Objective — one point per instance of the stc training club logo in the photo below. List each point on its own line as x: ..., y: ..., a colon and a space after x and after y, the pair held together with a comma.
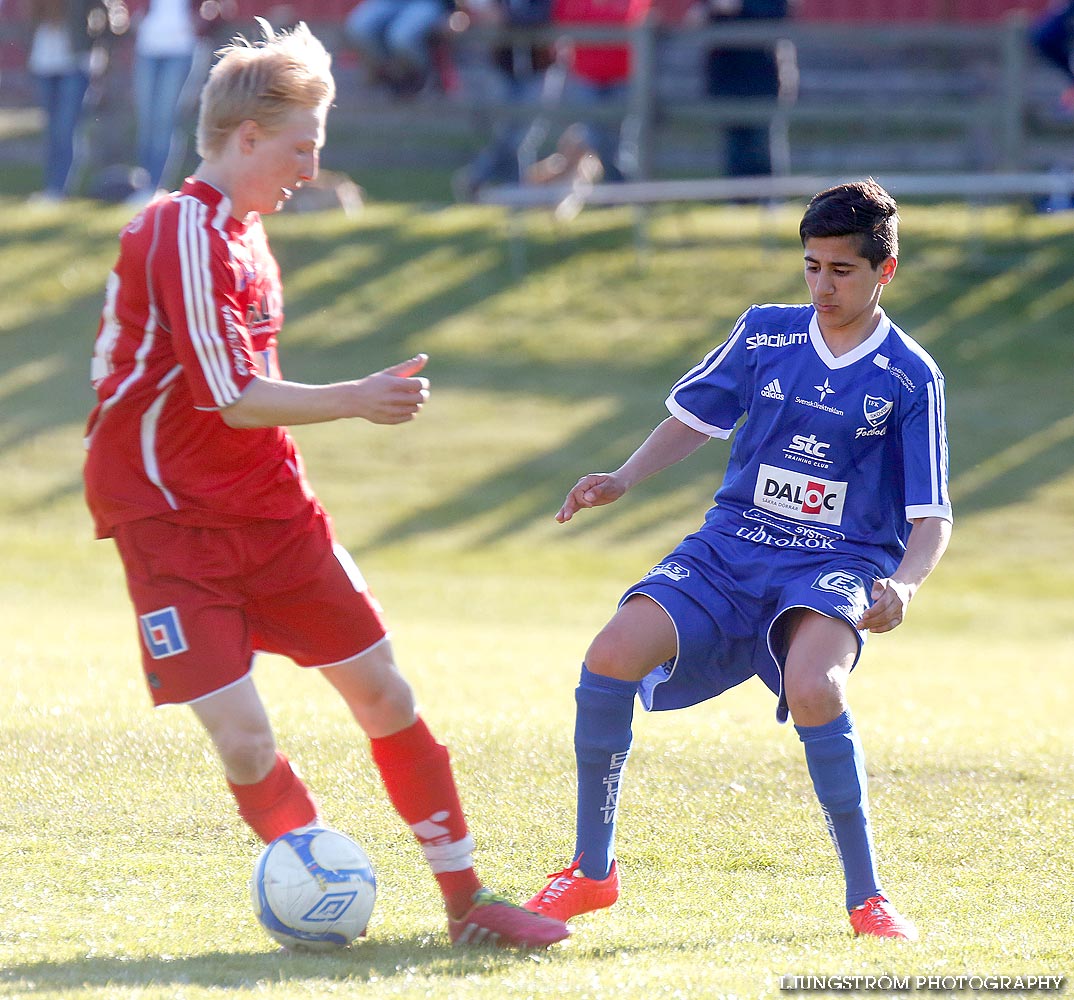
x: 804, y: 498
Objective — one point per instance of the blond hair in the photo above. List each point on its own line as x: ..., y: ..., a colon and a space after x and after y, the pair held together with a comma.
x: 263, y: 82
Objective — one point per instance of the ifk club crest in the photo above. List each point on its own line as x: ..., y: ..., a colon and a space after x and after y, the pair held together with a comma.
x: 877, y: 410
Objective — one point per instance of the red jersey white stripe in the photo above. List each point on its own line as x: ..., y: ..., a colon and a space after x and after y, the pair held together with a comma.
x: 191, y: 315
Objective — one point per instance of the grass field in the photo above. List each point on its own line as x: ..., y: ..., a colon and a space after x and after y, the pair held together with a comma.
x: 124, y: 866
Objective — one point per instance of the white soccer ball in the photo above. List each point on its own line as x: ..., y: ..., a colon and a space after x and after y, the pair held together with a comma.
x: 313, y: 889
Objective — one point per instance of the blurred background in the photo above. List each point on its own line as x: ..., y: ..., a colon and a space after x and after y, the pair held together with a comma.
x: 477, y: 94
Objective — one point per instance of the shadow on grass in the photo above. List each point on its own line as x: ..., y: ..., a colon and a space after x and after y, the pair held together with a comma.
x: 366, y: 962
x: 999, y: 333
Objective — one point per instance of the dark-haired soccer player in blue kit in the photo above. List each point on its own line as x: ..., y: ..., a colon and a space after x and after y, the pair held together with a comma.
x: 833, y: 511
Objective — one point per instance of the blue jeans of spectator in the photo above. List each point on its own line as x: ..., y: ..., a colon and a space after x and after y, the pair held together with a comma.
x: 748, y: 151
x: 1052, y: 36
x: 395, y: 31
x: 158, y: 84
x: 498, y: 162
x: 601, y: 136
x: 61, y: 98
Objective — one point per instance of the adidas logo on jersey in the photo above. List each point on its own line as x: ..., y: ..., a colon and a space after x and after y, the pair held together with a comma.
x: 773, y: 390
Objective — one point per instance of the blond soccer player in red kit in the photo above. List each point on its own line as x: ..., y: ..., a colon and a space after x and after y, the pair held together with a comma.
x: 191, y: 471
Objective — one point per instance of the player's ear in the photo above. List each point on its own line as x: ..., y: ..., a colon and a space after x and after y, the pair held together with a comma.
x: 249, y: 132
x: 887, y: 270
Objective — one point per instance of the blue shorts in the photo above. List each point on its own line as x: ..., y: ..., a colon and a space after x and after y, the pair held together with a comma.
x: 726, y: 598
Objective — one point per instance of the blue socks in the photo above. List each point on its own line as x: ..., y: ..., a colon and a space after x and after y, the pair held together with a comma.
x: 602, y: 738
x: 837, y: 766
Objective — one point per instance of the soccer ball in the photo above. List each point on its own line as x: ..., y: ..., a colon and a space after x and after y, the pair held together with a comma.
x: 313, y: 889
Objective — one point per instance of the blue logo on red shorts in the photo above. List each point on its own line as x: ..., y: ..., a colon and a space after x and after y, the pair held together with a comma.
x: 162, y: 633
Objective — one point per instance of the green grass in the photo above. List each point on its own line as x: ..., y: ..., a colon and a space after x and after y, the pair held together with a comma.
x: 124, y: 866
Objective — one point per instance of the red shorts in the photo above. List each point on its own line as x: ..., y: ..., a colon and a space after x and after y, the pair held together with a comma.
x: 207, y: 599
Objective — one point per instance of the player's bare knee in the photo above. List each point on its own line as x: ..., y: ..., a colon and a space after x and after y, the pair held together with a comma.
x: 384, y: 705
x: 609, y: 656
x: 814, y: 701
x: 248, y: 755
x: 605, y: 655
x: 600, y: 657
x: 395, y: 701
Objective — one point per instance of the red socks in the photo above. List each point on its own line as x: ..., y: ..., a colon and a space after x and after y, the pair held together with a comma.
x: 277, y: 803
x: 416, y: 771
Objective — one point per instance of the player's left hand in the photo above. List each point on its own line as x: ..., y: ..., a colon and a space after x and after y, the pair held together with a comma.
x: 393, y: 395
x: 890, y: 601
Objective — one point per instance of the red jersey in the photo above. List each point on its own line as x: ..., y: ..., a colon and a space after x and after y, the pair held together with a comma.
x: 191, y: 315
x: 603, y: 65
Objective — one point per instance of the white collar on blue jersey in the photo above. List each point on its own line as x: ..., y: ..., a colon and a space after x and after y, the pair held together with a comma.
x: 866, y: 347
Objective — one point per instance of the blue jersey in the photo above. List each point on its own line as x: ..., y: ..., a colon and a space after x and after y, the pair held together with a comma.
x: 836, y: 454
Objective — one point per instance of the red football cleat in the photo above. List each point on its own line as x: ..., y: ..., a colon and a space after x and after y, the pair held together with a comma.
x: 570, y: 893
x: 876, y: 917
x: 494, y: 920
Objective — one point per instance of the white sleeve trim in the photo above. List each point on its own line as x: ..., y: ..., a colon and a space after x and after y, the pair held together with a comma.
x: 686, y: 417
x: 942, y: 510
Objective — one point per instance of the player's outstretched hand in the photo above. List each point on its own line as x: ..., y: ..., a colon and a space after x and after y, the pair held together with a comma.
x: 594, y: 490
x: 396, y: 394
x: 890, y: 600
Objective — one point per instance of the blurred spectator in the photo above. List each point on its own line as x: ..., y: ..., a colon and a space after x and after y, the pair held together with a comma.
x: 168, y: 41
x: 597, y: 72
x: 738, y: 72
x: 396, y: 38
x: 520, y: 77
x: 1053, y: 37
x: 65, y: 55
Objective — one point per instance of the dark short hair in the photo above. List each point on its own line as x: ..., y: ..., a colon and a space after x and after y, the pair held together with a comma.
x: 861, y: 208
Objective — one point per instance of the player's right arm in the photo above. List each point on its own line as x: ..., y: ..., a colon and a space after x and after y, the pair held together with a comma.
x: 392, y: 396
x: 206, y: 290
x: 670, y: 442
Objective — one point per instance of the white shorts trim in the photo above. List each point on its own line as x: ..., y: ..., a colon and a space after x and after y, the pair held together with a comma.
x: 209, y: 694
x: 369, y: 649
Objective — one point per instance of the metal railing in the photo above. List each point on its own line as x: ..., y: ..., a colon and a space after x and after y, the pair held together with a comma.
x: 846, y: 93
x: 987, y: 110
